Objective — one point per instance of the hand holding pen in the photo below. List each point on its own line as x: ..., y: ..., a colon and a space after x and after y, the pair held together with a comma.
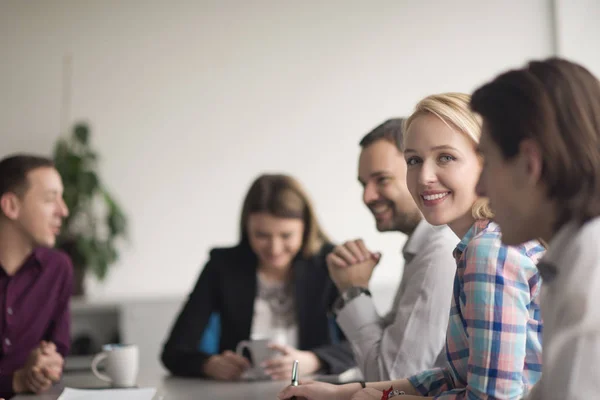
x: 294, y: 376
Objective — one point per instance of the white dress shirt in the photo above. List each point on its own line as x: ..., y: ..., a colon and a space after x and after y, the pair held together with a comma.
x: 570, y: 305
x: 411, y: 337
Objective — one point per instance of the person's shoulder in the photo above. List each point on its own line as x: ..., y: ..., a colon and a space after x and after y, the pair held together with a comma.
x: 586, y: 237
x: 532, y: 250
x: 574, y: 241
x: 318, y: 260
x: 53, y: 258
x: 433, y: 263
x: 433, y: 244
x: 232, y: 256
x: 440, y: 238
x: 486, y: 253
x: 486, y: 242
x: 325, y: 249
x: 56, y: 265
x: 220, y: 252
x: 490, y: 239
x: 321, y: 255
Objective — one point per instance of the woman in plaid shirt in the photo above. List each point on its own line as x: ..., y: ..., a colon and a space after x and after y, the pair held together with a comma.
x: 493, y: 341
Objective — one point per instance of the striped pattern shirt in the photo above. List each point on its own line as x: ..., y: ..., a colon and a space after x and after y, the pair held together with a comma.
x: 494, y: 336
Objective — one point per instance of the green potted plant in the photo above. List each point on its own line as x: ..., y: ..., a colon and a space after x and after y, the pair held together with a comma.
x: 96, y: 222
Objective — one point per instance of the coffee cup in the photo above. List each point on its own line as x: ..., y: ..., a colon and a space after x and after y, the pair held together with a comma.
x: 259, y: 352
x: 121, y: 364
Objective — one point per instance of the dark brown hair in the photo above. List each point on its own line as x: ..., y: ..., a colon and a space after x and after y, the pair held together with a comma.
x: 282, y: 196
x: 391, y: 130
x: 556, y: 103
x: 14, y: 170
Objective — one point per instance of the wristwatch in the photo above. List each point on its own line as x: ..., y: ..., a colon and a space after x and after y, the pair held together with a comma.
x: 348, y: 295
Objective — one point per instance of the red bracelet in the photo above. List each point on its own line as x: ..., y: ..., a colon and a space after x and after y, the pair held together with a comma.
x: 388, y: 394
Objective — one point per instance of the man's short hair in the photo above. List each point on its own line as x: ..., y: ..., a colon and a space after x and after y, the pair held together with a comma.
x: 391, y: 130
x: 14, y: 170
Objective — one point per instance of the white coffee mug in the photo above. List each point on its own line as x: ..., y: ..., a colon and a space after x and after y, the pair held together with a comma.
x: 122, y: 364
x: 259, y: 352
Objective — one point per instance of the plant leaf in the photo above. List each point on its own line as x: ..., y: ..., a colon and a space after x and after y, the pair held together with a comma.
x: 81, y: 133
x: 88, y: 183
x: 76, y: 162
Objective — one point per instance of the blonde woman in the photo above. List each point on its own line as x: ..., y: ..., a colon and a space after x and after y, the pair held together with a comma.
x: 493, y: 341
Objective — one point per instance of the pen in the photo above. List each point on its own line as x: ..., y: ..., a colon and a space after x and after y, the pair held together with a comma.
x: 294, y: 376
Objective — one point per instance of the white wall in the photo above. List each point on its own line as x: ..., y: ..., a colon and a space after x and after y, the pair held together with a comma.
x: 578, y: 26
x: 190, y: 100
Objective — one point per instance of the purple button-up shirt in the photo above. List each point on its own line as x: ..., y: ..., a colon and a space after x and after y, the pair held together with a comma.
x: 34, y: 306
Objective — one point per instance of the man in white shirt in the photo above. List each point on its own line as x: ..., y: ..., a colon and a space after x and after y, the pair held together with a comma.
x: 411, y: 337
x: 542, y: 175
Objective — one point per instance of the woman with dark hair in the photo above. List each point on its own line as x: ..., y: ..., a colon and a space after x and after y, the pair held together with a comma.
x: 272, y: 285
x: 541, y: 143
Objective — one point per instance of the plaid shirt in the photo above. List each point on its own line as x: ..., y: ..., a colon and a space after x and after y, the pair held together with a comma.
x: 494, y: 336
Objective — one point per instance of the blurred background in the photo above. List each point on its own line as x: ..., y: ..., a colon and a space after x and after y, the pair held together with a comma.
x: 188, y: 101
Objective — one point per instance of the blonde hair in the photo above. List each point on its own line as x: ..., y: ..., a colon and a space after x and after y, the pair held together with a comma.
x: 454, y: 110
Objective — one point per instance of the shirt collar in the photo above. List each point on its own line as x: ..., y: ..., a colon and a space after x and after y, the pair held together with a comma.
x: 36, y: 258
x: 479, y: 226
x: 417, y: 240
x: 548, y: 266
x: 560, y: 239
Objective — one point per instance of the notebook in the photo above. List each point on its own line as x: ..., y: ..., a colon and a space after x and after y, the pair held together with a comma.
x: 107, y: 394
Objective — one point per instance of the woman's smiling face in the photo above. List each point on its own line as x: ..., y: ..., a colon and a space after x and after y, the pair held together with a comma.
x: 442, y: 171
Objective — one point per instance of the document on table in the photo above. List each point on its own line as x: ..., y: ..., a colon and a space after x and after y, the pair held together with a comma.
x: 107, y: 394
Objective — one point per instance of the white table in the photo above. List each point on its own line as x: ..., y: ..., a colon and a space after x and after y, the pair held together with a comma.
x: 173, y: 388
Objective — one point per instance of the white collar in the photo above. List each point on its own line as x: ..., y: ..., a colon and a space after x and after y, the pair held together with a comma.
x: 417, y: 240
x: 559, y: 241
x: 570, y: 233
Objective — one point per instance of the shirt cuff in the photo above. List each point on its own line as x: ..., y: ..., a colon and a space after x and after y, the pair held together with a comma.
x: 355, y: 314
x: 6, y: 385
x: 432, y: 382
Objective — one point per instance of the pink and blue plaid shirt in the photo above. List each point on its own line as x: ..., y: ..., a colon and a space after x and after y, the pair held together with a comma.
x: 494, y: 336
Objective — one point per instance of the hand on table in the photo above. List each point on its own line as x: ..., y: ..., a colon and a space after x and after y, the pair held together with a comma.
x: 311, y: 390
x: 43, y: 368
x: 368, y: 394
x: 280, y: 367
x: 351, y: 264
x: 52, y: 360
x: 227, y: 366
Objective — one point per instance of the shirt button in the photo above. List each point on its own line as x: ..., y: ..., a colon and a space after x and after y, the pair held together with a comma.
x: 7, y: 341
x: 9, y: 311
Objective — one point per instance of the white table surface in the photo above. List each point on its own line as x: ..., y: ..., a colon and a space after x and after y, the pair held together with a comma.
x: 172, y: 388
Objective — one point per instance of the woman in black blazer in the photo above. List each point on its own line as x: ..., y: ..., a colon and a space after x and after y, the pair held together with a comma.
x: 273, y: 284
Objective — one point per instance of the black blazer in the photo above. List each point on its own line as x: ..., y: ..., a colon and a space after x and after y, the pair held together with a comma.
x: 228, y: 285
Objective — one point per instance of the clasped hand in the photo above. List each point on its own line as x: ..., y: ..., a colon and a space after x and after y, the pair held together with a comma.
x: 44, y: 367
x: 230, y: 366
x: 352, y: 264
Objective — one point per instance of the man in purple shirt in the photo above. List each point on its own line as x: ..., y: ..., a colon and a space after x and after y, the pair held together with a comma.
x: 35, y: 280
